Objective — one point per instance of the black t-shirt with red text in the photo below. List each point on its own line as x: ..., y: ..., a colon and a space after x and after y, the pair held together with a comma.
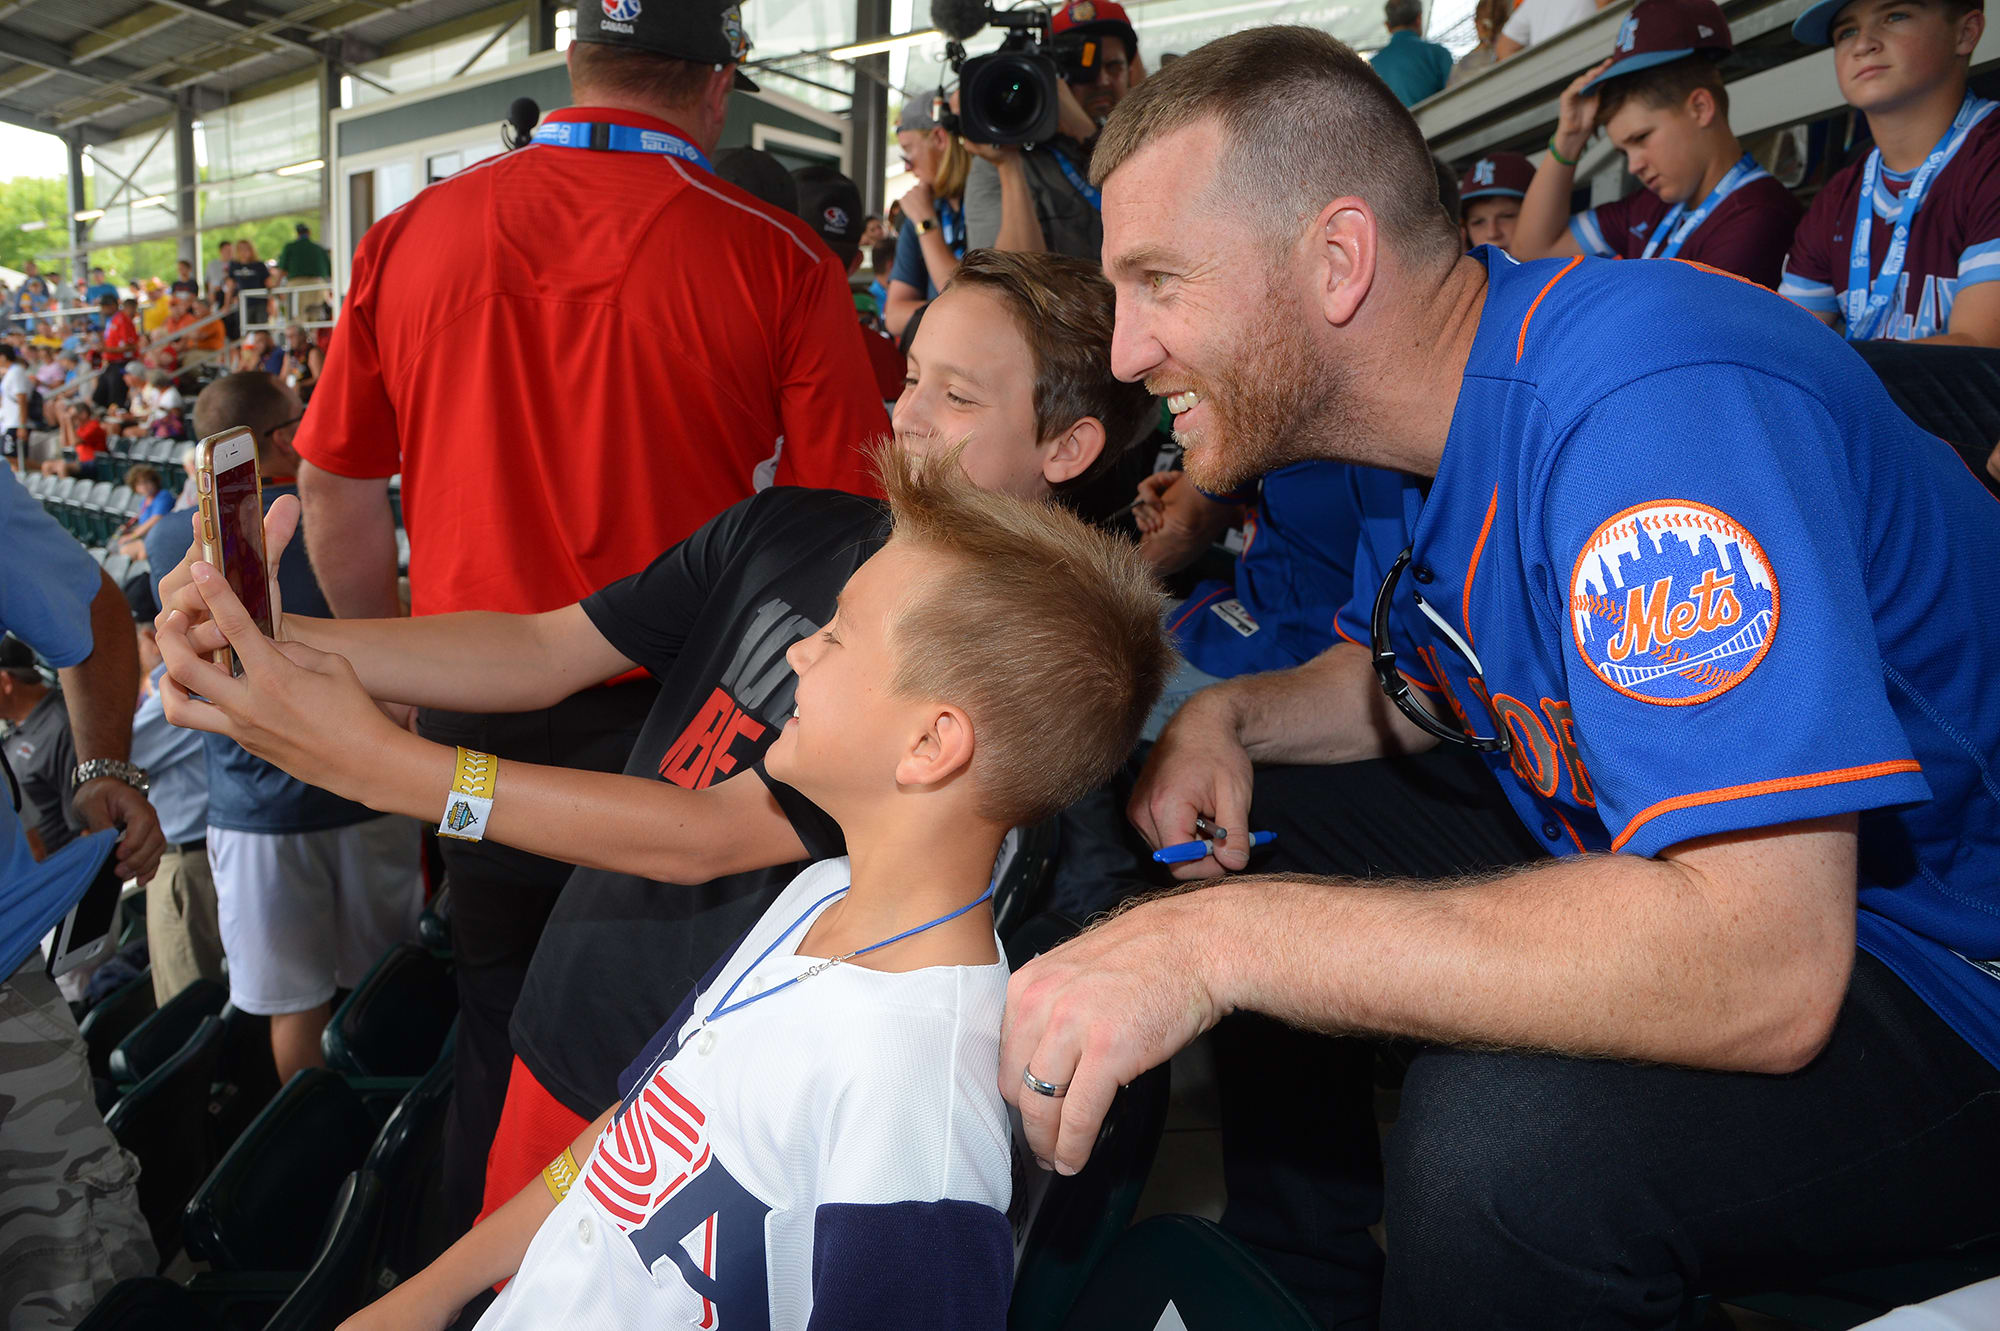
x: 711, y: 619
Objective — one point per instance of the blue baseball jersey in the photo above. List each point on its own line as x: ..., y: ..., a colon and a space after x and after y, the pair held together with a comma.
x: 1711, y: 579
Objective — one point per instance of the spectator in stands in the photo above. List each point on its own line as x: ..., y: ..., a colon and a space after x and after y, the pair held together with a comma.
x: 130, y: 420
x: 38, y: 748
x: 83, y: 439
x: 881, y: 262
x: 251, y: 277
x: 217, y: 270
x: 70, y: 1224
x: 121, y: 344
x: 1488, y: 17
x: 1931, y: 250
x: 183, y: 934
x: 164, y: 406
x: 1660, y: 99
x: 929, y: 247
x: 1043, y: 200
x: 185, y: 284
x: 259, y: 352
x: 872, y: 232
x: 230, y: 308
x: 208, y: 337
x: 311, y: 889
x: 1765, y: 938
x: 724, y: 326
x: 905, y: 1152
x: 1011, y: 366
x: 1538, y: 20
x: 16, y: 386
x: 303, y: 259
x: 144, y: 481
x: 1412, y: 67
x: 94, y: 294
x: 830, y: 204
x: 1490, y: 195
x: 301, y: 361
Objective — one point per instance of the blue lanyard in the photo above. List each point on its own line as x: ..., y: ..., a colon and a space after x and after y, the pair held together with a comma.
x: 1865, y: 302
x: 1737, y: 177
x: 725, y: 1007
x: 1091, y: 194
x: 618, y: 139
x: 951, y: 224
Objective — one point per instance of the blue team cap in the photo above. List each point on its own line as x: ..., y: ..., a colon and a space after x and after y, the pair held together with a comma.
x: 1659, y: 31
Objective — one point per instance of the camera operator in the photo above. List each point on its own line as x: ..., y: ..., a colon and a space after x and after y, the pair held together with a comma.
x: 1041, y: 198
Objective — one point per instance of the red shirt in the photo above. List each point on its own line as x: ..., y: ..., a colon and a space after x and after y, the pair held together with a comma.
x: 1954, y: 243
x: 575, y: 358
x: 886, y: 358
x: 121, y: 339
x: 1747, y: 234
x: 89, y: 440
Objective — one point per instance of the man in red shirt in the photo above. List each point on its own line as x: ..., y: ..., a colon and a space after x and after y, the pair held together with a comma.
x: 121, y: 343
x: 683, y: 345
x: 830, y: 203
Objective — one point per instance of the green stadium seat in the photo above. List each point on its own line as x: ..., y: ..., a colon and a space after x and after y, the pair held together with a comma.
x: 164, y: 1121
x: 247, y: 1078
x: 434, y: 925
x: 264, y: 1206
x: 1180, y: 1271
x: 160, y: 1036
x: 340, y: 1279
x: 397, y: 1018
x: 147, y: 1303
x: 1065, y: 1226
x: 407, y: 1160
x: 116, y: 1015
x: 117, y: 567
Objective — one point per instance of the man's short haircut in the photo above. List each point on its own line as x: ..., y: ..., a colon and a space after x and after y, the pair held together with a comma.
x: 1065, y: 309
x: 1665, y: 85
x: 140, y: 471
x: 1307, y: 121
x: 107, y: 301
x: 250, y: 398
x: 1403, y: 13
x: 642, y: 75
x: 1046, y: 631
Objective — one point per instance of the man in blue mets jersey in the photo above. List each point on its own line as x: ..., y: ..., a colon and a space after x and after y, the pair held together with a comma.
x: 1723, y: 623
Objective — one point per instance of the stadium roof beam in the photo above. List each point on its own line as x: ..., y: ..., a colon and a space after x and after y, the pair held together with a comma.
x: 32, y: 50
x: 100, y: 42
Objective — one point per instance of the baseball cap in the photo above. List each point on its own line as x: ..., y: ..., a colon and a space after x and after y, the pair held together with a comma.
x: 15, y: 654
x: 757, y: 173
x: 916, y: 114
x: 830, y: 203
x: 708, y: 32
x: 1815, y: 26
x: 1095, y: 16
x: 1658, y: 31
x: 1497, y: 175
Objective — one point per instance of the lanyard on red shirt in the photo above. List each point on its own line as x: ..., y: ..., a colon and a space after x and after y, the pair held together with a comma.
x: 605, y: 137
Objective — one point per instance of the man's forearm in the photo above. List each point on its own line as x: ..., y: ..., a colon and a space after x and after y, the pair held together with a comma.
x: 1608, y: 955
x: 1020, y: 229
x: 475, y: 661
x: 102, y: 689
x: 1329, y: 710
x: 350, y: 536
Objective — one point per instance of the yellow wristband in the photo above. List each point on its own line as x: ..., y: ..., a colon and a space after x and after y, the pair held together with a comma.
x: 560, y: 1174
x: 470, y: 802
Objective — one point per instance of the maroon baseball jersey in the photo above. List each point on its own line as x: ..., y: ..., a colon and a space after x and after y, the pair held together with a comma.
x: 1954, y: 243
x: 1747, y: 234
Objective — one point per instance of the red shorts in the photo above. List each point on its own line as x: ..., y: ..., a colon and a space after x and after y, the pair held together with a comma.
x: 534, y: 1129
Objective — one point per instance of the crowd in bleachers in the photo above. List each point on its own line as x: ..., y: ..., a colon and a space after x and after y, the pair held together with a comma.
x: 1188, y: 495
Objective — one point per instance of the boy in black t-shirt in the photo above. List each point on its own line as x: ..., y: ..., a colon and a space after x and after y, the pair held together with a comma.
x: 1012, y: 364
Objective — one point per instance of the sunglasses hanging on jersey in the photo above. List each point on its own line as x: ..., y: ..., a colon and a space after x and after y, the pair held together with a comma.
x: 1383, y: 654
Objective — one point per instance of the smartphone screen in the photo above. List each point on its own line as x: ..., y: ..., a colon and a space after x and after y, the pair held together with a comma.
x: 239, y: 521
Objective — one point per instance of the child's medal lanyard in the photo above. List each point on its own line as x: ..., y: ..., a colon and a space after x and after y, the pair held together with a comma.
x: 1865, y: 303
x: 725, y: 1007
x: 617, y: 139
x: 1736, y: 178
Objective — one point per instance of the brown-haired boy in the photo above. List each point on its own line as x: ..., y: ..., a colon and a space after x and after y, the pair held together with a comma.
x: 1926, y: 264
x: 817, y: 1136
x: 1661, y: 100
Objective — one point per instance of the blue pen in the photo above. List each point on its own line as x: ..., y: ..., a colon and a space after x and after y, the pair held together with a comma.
x: 1187, y: 852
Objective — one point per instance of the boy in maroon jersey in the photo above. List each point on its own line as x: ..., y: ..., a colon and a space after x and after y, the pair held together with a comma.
x: 1491, y: 191
x: 1660, y: 99
x: 1926, y: 268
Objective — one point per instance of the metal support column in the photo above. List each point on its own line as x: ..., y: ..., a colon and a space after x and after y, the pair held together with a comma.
x: 186, y: 199
x: 871, y: 105
x: 329, y: 102
x: 79, y: 232
x: 541, y: 15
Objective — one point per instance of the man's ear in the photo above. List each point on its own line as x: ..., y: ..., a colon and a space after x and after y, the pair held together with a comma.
x: 1346, y: 245
x: 941, y: 752
x: 1971, y: 27
x: 1072, y: 453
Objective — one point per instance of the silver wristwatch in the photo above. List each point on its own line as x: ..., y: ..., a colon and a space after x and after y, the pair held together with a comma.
x: 92, y: 768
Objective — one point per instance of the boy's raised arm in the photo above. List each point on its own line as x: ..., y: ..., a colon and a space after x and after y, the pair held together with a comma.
x: 489, y: 1253
x: 304, y: 710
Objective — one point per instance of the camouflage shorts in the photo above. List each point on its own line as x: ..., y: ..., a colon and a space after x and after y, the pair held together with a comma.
x: 70, y: 1226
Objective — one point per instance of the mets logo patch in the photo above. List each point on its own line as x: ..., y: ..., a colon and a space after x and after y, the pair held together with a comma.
x: 621, y: 11
x: 1673, y: 602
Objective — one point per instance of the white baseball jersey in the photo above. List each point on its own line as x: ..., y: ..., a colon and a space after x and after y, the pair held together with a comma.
x: 834, y: 1155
